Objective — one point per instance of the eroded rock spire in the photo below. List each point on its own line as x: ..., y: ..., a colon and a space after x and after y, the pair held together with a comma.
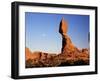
x: 63, y: 27
x: 67, y: 45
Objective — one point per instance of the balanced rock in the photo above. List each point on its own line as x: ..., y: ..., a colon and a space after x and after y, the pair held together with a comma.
x: 67, y: 45
x: 63, y: 27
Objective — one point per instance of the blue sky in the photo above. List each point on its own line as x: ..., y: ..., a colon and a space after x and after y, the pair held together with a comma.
x: 42, y: 31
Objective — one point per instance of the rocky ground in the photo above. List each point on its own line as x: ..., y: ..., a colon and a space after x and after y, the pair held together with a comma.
x: 39, y: 59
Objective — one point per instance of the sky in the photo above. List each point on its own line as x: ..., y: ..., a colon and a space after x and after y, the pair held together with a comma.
x: 42, y: 31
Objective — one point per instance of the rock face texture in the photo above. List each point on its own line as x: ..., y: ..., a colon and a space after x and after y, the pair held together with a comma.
x: 67, y: 45
x: 70, y: 55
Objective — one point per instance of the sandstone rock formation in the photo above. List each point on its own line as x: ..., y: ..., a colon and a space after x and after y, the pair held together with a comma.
x: 69, y: 52
x: 32, y: 55
x: 70, y: 55
x: 67, y: 45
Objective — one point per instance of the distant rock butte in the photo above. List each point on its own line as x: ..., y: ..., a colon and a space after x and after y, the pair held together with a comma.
x: 70, y: 55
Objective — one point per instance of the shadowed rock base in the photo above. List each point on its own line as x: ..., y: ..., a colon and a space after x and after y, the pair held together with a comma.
x: 69, y: 56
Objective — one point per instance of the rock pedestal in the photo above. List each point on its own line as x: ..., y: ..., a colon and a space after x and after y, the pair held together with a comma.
x: 67, y: 45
